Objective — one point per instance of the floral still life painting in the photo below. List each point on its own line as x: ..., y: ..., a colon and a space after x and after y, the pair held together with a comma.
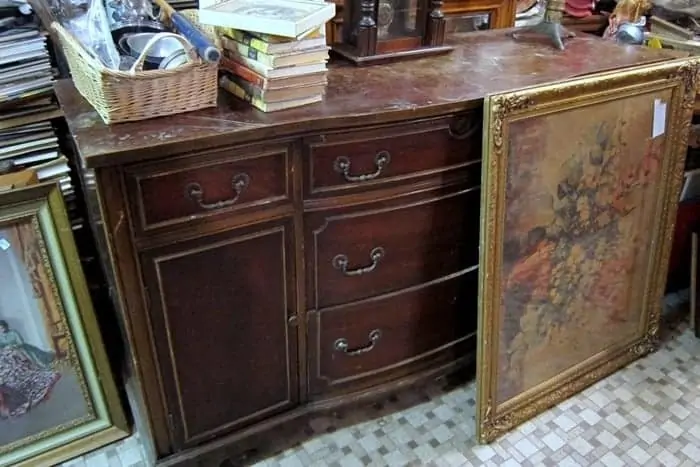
x: 582, y: 180
x: 57, y: 398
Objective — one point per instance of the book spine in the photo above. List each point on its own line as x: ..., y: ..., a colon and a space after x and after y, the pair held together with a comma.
x: 251, y: 41
x: 252, y: 65
x: 248, y: 52
x: 239, y: 92
x: 248, y: 87
x: 242, y: 71
x: 229, y: 86
x: 270, y: 39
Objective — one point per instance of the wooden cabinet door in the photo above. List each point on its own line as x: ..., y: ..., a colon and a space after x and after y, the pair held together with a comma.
x: 222, y: 319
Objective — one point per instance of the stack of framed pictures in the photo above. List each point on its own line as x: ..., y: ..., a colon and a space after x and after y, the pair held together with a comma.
x: 57, y: 395
x: 581, y: 181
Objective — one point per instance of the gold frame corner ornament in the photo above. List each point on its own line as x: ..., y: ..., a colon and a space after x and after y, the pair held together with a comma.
x: 44, y: 207
x: 679, y: 75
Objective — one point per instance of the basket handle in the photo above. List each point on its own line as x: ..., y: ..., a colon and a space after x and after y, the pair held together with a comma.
x: 138, y: 64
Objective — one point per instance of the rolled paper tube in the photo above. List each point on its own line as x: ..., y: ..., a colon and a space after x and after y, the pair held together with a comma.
x: 189, y: 31
x: 201, y: 43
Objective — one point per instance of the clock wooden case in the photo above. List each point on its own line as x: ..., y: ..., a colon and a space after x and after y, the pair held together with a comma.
x: 377, y: 31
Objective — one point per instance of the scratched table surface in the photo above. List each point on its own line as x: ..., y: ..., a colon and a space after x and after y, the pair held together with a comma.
x: 481, y: 64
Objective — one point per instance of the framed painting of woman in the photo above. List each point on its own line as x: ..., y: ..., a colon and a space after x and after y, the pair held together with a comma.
x: 57, y: 394
x: 580, y: 188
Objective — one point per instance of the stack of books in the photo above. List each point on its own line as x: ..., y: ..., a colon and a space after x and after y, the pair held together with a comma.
x: 274, y: 54
x: 273, y: 73
x: 35, y: 147
x: 28, y: 141
x: 26, y: 75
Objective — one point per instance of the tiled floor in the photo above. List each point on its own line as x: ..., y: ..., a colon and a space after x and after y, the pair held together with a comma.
x: 645, y: 415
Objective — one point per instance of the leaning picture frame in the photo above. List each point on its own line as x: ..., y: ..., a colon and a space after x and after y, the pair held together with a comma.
x: 58, y: 398
x: 580, y: 186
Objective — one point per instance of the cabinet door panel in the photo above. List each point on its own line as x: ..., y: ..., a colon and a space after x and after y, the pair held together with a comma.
x: 220, y: 309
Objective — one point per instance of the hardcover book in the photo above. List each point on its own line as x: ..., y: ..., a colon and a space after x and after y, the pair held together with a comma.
x: 286, y: 18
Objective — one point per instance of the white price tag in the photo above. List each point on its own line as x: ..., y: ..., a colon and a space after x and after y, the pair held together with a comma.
x: 4, y: 244
x: 659, y: 125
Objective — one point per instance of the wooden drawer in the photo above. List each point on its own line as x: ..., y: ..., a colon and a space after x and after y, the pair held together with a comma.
x: 360, y: 252
x: 201, y: 185
x: 343, y: 162
x: 355, y: 346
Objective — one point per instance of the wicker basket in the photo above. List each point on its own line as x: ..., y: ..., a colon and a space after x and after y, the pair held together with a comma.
x: 123, y: 96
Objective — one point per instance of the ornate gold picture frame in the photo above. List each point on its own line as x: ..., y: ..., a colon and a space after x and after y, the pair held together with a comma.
x: 580, y: 188
x: 57, y: 395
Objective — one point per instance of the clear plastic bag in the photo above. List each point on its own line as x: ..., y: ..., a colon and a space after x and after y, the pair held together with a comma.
x: 100, y: 36
x: 87, y: 21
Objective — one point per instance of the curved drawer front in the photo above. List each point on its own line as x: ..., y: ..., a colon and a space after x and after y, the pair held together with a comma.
x: 356, y: 345
x: 384, y: 247
x: 349, y: 161
x: 208, y: 184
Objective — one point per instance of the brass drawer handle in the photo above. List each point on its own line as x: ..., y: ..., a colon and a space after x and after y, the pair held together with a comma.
x: 195, y: 192
x: 341, y: 262
x: 342, y: 166
x: 342, y: 345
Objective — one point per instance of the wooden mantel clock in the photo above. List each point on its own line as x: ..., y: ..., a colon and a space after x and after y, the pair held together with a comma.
x: 378, y: 31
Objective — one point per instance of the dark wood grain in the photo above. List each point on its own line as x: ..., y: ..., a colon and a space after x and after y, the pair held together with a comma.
x: 159, y: 191
x: 423, y: 238
x: 416, y: 149
x: 482, y: 63
x: 218, y: 335
x: 417, y: 324
x: 109, y: 218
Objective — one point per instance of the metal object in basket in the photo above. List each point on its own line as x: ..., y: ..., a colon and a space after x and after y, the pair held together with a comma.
x: 165, y: 46
x: 130, y: 17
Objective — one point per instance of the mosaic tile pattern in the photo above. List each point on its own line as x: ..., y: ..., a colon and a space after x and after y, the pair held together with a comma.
x: 645, y: 415
x: 127, y: 453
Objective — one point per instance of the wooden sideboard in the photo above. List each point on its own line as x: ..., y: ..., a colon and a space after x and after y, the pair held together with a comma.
x: 268, y: 266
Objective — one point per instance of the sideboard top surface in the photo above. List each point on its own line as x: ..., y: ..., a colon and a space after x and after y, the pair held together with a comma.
x: 481, y: 64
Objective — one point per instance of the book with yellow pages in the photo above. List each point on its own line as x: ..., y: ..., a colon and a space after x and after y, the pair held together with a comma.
x: 278, y: 95
x: 276, y: 73
x: 271, y: 38
x: 275, y: 45
x: 261, y: 105
x: 277, y: 60
x: 287, y: 18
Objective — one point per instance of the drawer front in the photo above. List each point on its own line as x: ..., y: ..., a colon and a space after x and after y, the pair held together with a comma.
x: 209, y: 184
x: 355, y: 346
x: 344, y: 162
x: 378, y: 248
